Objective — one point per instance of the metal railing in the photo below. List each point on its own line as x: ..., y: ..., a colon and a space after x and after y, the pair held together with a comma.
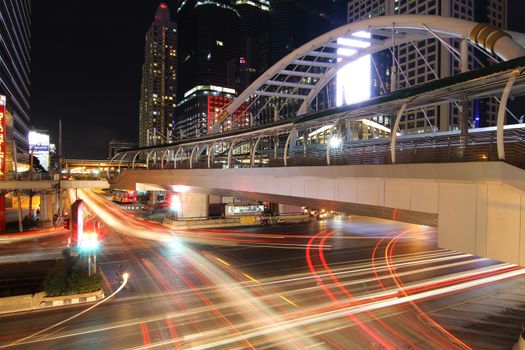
x: 447, y: 147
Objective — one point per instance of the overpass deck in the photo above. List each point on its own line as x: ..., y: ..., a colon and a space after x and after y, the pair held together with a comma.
x: 287, y: 142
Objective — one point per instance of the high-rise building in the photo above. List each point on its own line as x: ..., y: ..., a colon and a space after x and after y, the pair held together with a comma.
x: 438, y: 62
x: 159, y: 81
x: 208, y: 62
x: 116, y: 146
x: 254, y: 40
x: 15, y: 33
x: 295, y: 22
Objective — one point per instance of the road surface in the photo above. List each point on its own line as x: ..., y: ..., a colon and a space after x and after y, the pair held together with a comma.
x: 343, y: 283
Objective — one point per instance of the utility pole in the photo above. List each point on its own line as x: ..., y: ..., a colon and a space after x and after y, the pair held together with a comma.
x: 59, y: 146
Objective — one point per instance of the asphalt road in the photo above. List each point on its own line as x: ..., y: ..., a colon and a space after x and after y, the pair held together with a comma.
x: 344, y: 283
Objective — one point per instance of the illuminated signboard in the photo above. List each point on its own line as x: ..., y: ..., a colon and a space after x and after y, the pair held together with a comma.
x: 77, y: 220
x: 2, y: 134
x: 354, y: 81
x: 2, y: 158
x: 39, y: 145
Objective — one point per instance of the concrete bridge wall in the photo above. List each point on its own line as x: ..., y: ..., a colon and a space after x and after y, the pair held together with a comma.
x: 479, y: 208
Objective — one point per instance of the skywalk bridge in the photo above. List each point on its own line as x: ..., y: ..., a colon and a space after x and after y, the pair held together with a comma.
x: 470, y: 183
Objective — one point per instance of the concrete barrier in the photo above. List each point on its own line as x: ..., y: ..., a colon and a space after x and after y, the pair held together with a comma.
x: 232, y: 221
x: 71, y: 299
x: 29, y: 302
x: 16, y: 304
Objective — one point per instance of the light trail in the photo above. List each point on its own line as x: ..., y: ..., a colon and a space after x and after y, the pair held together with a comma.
x: 397, y: 280
x: 294, y: 314
x: 253, y: 307
x: 125, y: 281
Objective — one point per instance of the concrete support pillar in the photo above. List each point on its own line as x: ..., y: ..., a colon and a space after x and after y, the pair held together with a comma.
x: 194, y: 205
x: 152, y: 197
x: 501, y: 117
x: 46, y: 209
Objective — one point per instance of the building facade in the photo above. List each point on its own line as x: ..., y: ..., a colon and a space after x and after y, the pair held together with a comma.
x: 115, y: 146
x: 439, y: 62
x: 208, y: 61
x: 295, y: 22
x: 159, y: 81
x: 15, y: 32
x: 254, y: 43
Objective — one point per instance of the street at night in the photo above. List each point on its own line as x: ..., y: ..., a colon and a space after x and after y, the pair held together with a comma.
x: 262, y: 174
x: 347, y: 282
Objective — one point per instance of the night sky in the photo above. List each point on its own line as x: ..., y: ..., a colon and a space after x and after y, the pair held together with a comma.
x: 86, y: 69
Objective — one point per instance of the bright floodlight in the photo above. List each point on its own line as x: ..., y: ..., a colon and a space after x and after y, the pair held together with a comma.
x: 125, y: 276
x: 354, y: 80
x: 335, y: 142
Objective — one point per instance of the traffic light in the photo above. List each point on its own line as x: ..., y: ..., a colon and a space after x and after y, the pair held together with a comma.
x: 89, y: 241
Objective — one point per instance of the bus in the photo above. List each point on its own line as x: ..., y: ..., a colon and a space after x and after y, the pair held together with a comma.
x: 124, y: 196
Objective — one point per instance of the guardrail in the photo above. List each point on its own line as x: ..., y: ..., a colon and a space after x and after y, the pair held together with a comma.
x: 478, y: 145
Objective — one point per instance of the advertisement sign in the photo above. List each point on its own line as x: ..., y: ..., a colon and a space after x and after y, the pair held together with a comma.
x: 39, y: 145
x: 2, y: 158
x: 77, y: 221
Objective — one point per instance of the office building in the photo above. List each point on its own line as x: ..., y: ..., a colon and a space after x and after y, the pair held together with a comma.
x: 208, y: 62
x: 159, y: 80
x: 15, y: 32
x: 116, y: 146
x: 254, y: 44
x: 440, y: 62
x: 295, y: 22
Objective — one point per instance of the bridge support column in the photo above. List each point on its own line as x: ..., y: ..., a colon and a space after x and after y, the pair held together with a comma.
x: 287, y: 145
x: 501, y: 117
x: 47, y: 205
x: 193, y: 205
x: 393, y: 136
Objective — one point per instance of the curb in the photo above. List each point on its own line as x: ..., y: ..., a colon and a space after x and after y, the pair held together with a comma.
x: 39, y: 301
x: 48, y: 302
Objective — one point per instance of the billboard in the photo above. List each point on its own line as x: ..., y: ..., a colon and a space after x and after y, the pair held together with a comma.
x: 3, y: 101
x: 354, y: 81
x: 39, y: 145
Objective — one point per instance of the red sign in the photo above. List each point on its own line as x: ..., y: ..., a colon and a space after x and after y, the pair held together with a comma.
x: 77, y: 221
x: 2, y: 158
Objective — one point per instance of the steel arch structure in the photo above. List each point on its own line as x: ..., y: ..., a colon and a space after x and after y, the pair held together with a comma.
x: 299, y: 77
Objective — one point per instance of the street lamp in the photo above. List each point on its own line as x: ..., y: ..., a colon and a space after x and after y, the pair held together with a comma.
x: 335, y: 142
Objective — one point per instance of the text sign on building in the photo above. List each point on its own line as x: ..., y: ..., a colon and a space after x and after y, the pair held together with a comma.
x: 2, y: 134
x: 39, y: 147
x: 2, y: 158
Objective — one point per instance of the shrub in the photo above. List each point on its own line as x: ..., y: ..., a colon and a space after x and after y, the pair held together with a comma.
x: 55, y: 282
x: 82, y: 283
x: 69, y: 276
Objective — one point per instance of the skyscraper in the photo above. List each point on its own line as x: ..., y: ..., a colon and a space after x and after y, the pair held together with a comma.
x: 15, y: 33
x: 159, y: 80
x: 295, y: 22
x: 439, y: 62
x: 254, y: 40
x: 208, y: 63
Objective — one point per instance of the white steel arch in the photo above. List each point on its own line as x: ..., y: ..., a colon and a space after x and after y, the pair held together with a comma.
x: 303, y: 73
